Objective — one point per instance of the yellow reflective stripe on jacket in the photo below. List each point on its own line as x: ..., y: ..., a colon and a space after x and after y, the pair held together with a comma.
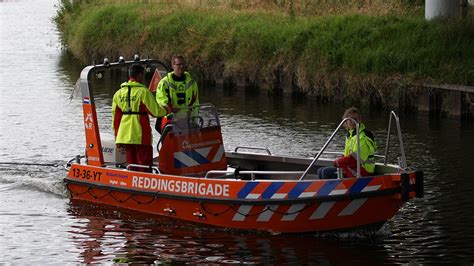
x: 188, y: 86
x: 172, y: 85
x: 130, y: 130
x: 178, y: 94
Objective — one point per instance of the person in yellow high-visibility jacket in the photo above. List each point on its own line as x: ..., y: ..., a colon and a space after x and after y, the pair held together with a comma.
x: 177, y: 90
x: 348, y: 162
x: 131, y: 105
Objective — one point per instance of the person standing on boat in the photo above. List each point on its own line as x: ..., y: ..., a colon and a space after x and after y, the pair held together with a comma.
x: 176, y: 91
x: 131, y: 105
x: 348, y: 162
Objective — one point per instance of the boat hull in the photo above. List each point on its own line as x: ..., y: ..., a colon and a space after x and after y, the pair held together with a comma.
x: 283, y: 206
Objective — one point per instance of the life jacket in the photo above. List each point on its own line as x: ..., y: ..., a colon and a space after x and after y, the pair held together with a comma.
x: 177, y: 94
x: 367, y: 153
x: 131, y: 105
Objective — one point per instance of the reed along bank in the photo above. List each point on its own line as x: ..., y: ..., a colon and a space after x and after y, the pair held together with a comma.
x: 361, y: 52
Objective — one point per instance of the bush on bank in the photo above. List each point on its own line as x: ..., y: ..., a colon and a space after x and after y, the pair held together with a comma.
x: 321, y: 55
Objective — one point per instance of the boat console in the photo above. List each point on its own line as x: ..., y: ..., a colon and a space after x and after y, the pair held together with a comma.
x: 193, y: 143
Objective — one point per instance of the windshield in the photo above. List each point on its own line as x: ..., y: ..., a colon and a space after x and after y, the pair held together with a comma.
x: 195, y: 118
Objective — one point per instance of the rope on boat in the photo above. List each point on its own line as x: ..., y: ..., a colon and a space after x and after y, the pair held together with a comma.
x: 144, y: 203
x: 95, y: 196
x: 119, y: 200
x: 267, y: 208
x: 290, y: 213
x: 247, y: 214
x: 89, y: 191
x: 80, y: 194
x: 204, y: 208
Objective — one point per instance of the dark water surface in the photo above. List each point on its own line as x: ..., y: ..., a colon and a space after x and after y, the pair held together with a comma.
x: 39, y: 124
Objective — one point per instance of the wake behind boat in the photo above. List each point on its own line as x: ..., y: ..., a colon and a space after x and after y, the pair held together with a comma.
x: 194, y: 179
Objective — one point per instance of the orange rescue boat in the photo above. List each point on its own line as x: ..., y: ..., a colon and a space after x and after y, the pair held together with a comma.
x: 195, y: 180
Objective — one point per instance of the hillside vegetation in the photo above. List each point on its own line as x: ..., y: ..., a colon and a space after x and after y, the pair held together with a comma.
x: 320, y: 47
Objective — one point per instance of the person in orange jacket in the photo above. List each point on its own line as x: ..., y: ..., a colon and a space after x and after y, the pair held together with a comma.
x: 348, y: 162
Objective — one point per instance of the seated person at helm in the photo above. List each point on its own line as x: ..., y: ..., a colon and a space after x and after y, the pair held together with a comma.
x: 348, y: 162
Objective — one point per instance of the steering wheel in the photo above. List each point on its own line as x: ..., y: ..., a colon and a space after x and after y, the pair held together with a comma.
x: 212, y: 122
x: 198, y: 120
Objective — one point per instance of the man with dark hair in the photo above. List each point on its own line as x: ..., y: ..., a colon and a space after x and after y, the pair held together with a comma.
x: 348, y: 162
x: 131, y: 105
x: 177, y: 90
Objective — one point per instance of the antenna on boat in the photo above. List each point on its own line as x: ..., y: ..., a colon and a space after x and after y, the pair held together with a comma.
x: 75, y: 89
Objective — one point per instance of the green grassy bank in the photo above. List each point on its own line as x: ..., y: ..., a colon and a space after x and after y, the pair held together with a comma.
x: 356, y: 53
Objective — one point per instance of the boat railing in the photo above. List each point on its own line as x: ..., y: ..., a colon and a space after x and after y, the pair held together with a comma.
x: 339, y: 153
x: 403, y: 162
x: 253, y: 148
x: 252, y: 173
x: 329, y: 141
x: 76, y: 159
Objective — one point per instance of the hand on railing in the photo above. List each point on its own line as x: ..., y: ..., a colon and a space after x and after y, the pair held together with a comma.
x: 329, y: 140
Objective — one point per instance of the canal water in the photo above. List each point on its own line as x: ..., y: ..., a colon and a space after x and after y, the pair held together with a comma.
x: 40, y: 125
